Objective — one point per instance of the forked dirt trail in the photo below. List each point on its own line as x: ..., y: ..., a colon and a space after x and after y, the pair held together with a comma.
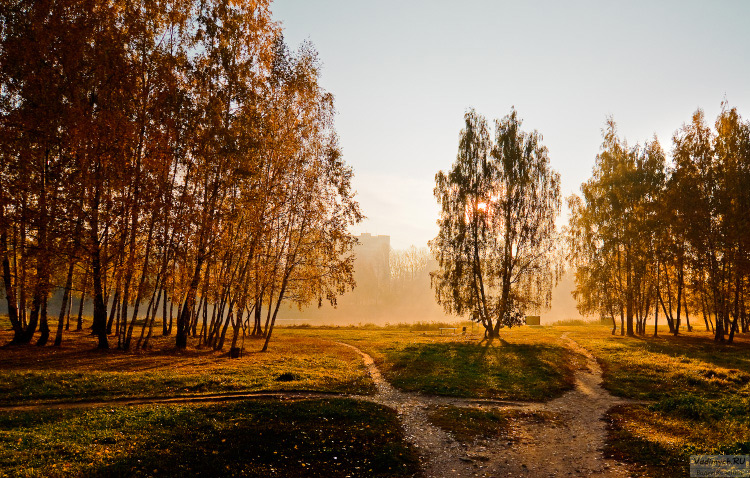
x: 568, y: 446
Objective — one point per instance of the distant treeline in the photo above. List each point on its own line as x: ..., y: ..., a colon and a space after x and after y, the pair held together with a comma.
x: 155, y: 152
x: 650, y: 235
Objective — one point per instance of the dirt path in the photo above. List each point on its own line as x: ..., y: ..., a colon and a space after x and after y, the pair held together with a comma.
x: 440, y: 453
x: 571, y: 446
x: 568, y: 446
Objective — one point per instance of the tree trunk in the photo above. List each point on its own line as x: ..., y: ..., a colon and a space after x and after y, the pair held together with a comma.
x: 257, y: 329
x: 164, y: 314
x: 706, y: 318
x: 680, y: 282
x: 10, y: 293
x: 183, y: 321
x: 687, y: 315
x: 114, y: 311
x: 141, y: 284
x: 24, y: 259
x: 70, y: 310
x: 171, y: 315
x: 237, y: 326
x: 629, y: 294
x: 656, y: 303
x: 99, y: 326
x: 230, y: 318
x: 79, y: 320
x: 150, y: 313
x: 151, y: 322
x: 43, y: 323
x: 278, y: 304
x: 64, y: 308
x: 733, y: 327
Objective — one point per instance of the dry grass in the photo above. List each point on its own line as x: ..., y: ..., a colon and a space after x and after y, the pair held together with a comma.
x: 524, y: 364
x: 701, y: 394
x: 76, y: 370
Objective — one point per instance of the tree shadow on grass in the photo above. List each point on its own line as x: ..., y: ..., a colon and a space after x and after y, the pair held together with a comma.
x: 511, y: 371
x: 328, y: 438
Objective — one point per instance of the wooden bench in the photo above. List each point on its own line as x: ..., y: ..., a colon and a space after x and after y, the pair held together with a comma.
x: 448, y: 328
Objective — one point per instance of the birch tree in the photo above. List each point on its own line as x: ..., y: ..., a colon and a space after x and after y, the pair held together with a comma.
x: 496, y: 247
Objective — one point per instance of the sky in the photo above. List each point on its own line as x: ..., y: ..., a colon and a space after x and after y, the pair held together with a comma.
x: 404, y: 73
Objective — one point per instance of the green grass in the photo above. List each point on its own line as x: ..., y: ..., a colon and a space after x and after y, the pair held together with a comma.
x: 513, y: 371
x: 74, y: 372
x: 332, y: 438
x: 470, y: 424
x: 526, y: 364
x: 660, y: 440
x: 655, y: 368
x: 700, y: 392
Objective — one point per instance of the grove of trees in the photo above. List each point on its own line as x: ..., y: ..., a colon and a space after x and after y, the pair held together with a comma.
x: 651, y: 236
x: 165, y: 152
x: 497, y: 242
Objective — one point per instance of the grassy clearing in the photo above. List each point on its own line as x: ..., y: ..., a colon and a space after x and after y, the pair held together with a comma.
x: 77, y: 371
x: 701, y: 394
x: 662, y: 440
x: 700, y: 390
x: 526, y: 364
x: 332, y: 438
x: 470, y: 424
x: 575, y: 322
x: 655, y: 368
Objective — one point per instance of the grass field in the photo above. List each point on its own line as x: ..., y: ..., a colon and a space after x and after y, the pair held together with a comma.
x: 521, y: 366
x: 699, y: 393
x: 77, y: 371
x: 700, y: 389
x: 59, y: 443
x: 525, y: 364
x: 331, y: 438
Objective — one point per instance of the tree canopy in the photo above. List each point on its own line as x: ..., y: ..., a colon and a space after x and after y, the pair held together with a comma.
x: 496, y: 246
x: 166, y: 152
x: 649, y: 235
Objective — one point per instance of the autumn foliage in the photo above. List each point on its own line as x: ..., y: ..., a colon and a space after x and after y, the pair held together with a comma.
x: 168, y: 158
x: 668, y: 238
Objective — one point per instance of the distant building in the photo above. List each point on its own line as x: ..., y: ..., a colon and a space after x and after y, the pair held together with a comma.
x: 375, y: 250
x: 372, y: 269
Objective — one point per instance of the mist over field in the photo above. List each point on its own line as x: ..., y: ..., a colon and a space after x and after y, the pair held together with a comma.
x: 384, y: 299
x: 393, y: 286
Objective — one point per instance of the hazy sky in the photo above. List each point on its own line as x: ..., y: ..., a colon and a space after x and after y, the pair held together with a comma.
x: 404, y: 72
